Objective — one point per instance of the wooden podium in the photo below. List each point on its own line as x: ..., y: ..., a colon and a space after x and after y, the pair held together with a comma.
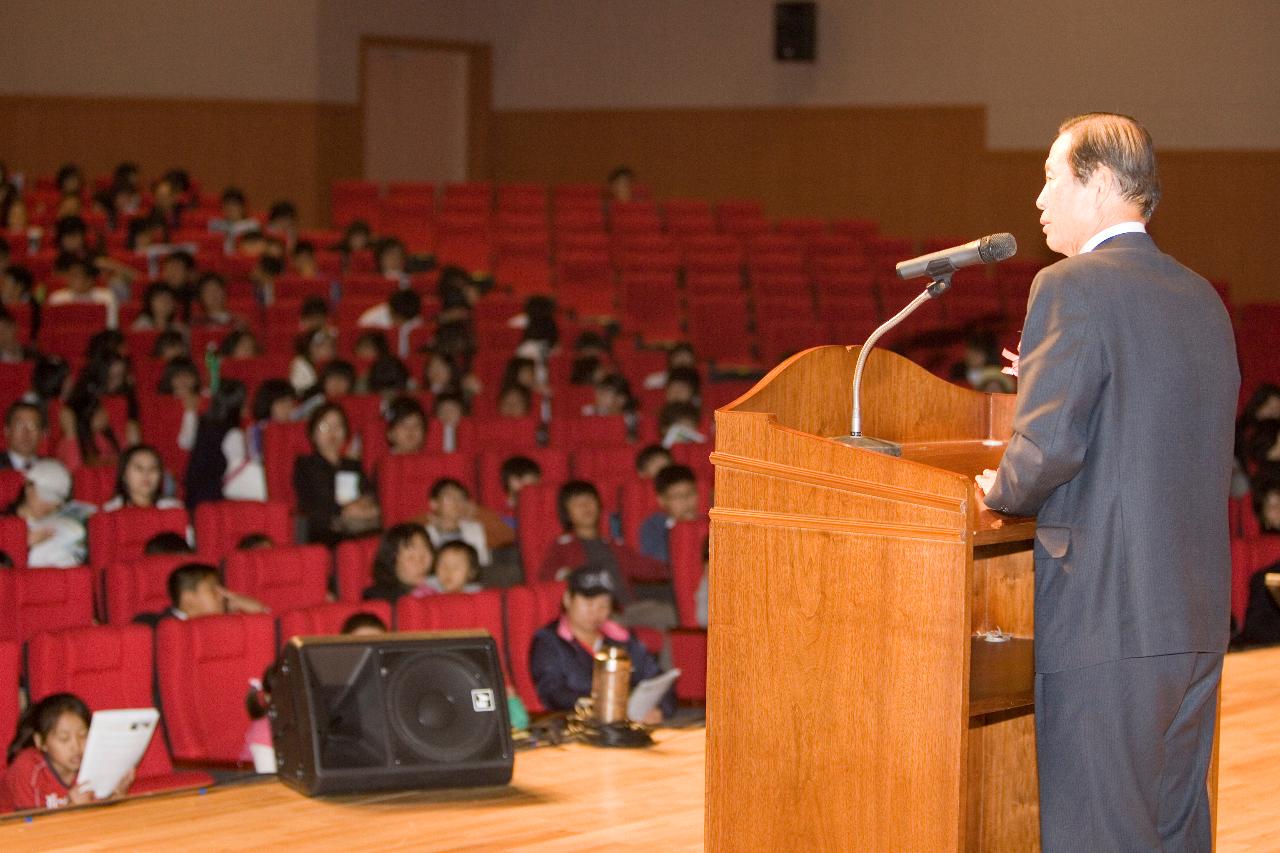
x: 849, y: 704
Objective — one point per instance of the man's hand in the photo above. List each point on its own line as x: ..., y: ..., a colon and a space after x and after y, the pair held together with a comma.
x: 81, y: 794
x: 986, y: 481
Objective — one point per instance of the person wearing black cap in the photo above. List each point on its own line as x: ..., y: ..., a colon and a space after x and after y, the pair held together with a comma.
x: 562, y: 655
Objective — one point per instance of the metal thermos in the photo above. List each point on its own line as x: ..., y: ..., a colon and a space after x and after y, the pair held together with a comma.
x: 611, y: 685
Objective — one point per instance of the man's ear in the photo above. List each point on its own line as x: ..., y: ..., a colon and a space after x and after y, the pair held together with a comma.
x: 1104, y: 185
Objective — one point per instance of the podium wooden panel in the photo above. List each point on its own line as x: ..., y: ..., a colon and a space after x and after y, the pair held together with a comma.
x: 849, y: 706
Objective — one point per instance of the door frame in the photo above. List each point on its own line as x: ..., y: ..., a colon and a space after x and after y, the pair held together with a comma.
x: 479, y: 94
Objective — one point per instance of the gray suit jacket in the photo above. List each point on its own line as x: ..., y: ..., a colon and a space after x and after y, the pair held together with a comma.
x: 1122, y: 449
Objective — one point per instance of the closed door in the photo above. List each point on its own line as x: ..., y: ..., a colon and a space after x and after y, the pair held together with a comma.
x: 416, y: 105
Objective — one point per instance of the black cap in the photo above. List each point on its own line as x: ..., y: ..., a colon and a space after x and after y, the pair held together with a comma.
x: 592, y: 581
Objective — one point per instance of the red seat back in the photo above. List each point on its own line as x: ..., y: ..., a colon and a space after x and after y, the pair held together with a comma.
x: 107, y: 667
x: 220, y: 525
x: 13, y: 539
x: 571, y: 432
x: 281, y: 445
x: 685, y: 543
x: 122, y: 534
x: 204, y: 666
x: 10, y: 658
x: 538, y: 525
x: 553, y: 462
x: 355, y: 567
x: 140, y: 586
x: 529, y: 607
x: 283, y: 578
x: 327, y: 618
x: 459, y: 611
x: 95, y: 484
x: 36, y: 600
x: 405, y: 480
x: 608, y: 468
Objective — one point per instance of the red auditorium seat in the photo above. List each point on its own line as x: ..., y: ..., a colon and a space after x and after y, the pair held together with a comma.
x: 514, y: 434
x: 651, y: 305
x: 15, y: 380
x: 782, y: 337
x: 584, y: 283
x: 353, y: 199
x: 465, y: 243
x: 122, y: 534
x: 571, y: 432
x: 10, y: 658
x: 1249, y: 556
x: 13, y: 539
x: 282, y: 443
x: 638, y: 502
x: 283, y: 578
x: 526, y: 197
x: 35, y: 600
x: 522, y: 261
x: 464, y: 437
x: 203, y: 667
x: 490, y: 492
x: 160, y: 417
x: 538, y: 525
x: 220, y: 525
x: 404, y: 481
x: 685, y: 541
x: 689, y: 655
x: 354, y: 570
x: 529, y: 607
x: 718, y: 329
x: 455, y: 612
x: 108, y: 667
x: 608, y: 468
x: 327, y: 618
x: 140, y: 585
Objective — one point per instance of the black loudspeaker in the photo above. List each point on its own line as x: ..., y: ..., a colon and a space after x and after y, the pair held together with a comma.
x: 795, y: 28
x: 404, y: 711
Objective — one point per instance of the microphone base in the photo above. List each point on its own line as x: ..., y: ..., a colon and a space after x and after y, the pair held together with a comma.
x: 866, y: 442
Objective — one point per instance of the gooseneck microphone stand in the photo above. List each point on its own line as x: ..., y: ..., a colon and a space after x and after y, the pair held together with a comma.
x: 855, y: 438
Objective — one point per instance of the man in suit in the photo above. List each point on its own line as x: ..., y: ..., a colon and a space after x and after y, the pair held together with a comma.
x: 1121, y: 448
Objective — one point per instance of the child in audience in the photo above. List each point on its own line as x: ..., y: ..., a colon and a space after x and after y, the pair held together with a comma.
x: 516, y: 473
x: 210, y: 307
x: 651, y: 460
x: 181, y: 380
x: 678, y: 424
x: 680, y: 355
x: 257, y: 705
x: 195, y: 590
x: 677, y: 490
x: 406, y: 426
x: 303, y: 259
x: 12, y: 350
x: 684, y: 385
x: 456, y: 569
x: 702, y: 595
x: 167, y: 542
x: 88, y: 439
x: 402, y: 313
x: 561, y: 659
x: 451, y: 517
x: 45, y: 754
x: 334, y: 495
x: 234, y: 221
x: 312, y: 351
x: 579, y: 507
x: 364, y: 625
x: 401, y: 564
x: 140, y: 481
x: 514, y: 401
x: 255, y: 542
x: 159, y: 310
x: 169, y: 345
x: 449, y: 410
x: 81, y: 279
x: 1266, y: 499
x: 55, y: 526
x: 241, y: 343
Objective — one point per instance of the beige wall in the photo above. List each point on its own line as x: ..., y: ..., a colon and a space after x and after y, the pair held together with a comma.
x: 1201, y: 75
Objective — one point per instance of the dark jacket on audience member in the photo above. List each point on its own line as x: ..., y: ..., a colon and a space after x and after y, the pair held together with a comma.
x: 315, y: 484
x: 561, y: 667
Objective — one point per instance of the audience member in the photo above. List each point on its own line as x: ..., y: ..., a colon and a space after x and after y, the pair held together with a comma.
x: 24, y: 430
x: 224, y: 464
x: 82, y: 288
x: 334, y: 495
x: 167, y: 542
x: 45, y: 754
x: 451, y: 517
x: 677, y: 490
x: 456, y: 568
x: 159, y: 310
x: 517, y: 472
x: 312, y: 350
x: 364, y: 624
x: 402, y: 564
x: 651, y: 460
x: 561, y: 659
x: 140, y: 481
x: 449, y: 410
x: 621, y: 184
x: 210, y: 306
x: 55, y: 526
x: 402, y: 312
x: 406, y: 426
x: 195, y: 590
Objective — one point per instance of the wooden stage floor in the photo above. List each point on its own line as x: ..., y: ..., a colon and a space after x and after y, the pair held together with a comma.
x: 576, y: 798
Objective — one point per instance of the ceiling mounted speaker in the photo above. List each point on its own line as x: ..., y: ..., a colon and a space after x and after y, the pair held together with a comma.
x: 397, y: 712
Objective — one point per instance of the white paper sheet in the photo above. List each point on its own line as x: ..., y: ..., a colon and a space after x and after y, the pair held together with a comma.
x: 116, y: 743
x: 646, y: 695
x: 346, y: 487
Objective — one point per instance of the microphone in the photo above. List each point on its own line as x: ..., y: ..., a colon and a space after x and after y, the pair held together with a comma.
x: 985, y: 250
x: 939, y: 267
